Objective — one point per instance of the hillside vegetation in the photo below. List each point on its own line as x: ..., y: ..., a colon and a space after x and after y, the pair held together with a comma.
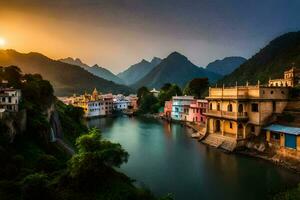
x: 270, y: 62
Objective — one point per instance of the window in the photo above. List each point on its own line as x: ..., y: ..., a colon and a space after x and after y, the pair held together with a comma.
x: 210, y: 106
x: 229, y: 108
x: 230, y: 125
x: 272, y: 92
x: 282, y: 92
x: 254, y: 107
x: 274, y: 106
x: 253, y: 129
x: 218, y: 106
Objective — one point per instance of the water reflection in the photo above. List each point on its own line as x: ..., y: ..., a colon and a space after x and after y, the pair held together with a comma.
x: 166, y: 159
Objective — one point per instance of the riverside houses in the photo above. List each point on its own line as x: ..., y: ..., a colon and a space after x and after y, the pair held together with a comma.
x: 95, y: 104
x: 120, y: 102
x: 167, y: 109
x: 236, y: 112
x: 197, y: 110
x: 180, y: 107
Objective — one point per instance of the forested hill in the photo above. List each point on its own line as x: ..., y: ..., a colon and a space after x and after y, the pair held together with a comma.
x: 270, y: 62
x: 65, y: 78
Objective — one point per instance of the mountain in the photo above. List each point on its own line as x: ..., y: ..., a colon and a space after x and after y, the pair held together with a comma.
x: 270, y: 62
x: 226, y: 65
x: 176, y: 68
x: 65, y: 78
x: 137, y: 71
x: 96, y: 70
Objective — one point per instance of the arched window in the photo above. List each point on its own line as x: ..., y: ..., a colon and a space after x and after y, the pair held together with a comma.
x: 240, y: 109
x: 229, y: 107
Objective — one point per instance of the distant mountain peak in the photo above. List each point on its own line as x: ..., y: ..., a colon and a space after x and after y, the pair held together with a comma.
x: 176, y: 55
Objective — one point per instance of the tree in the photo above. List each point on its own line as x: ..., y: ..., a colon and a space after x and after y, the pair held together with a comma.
x: 13, y: 75
x: 196, y: 87
x: 94, y: 156
x: 168, y: 92
x: 148, y: 104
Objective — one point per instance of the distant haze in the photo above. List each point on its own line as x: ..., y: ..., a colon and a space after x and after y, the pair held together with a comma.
x: 119, y: 33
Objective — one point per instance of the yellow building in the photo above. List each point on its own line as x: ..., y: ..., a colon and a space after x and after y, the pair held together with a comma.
x: 291, y: 79
x: 236, y: 112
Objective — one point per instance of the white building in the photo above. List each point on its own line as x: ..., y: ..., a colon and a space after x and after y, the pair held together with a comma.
x: 9, y: 99
x: 154, y: 92
x: 93, y: 105
x: 120, y: 102
x: 181, y: 106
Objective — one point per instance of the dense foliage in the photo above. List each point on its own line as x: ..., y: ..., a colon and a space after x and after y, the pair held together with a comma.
x: 32, y: 168
x: 151, y: 104
x: 270, y: 62
x: 197, y: 88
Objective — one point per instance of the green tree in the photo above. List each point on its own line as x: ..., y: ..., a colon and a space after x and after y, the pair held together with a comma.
x: 13, y: 75
x: 95, y: 155
x: 167, y: 92
x: 148, y: 103
x: 196, y: 87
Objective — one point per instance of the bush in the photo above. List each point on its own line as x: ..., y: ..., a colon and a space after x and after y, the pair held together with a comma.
x: 47, y: 163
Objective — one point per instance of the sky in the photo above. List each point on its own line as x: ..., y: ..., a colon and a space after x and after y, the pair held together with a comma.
x: 118, y: 33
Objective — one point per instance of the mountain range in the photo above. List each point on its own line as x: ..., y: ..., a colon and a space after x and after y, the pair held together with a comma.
x: 137, y: 71
x: 177, y: 69
x: 65, y: 78
x: 96, y: 70
x: 270, y: 62
x: 226, y: 65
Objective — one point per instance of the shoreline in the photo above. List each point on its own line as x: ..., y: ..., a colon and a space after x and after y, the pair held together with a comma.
x: 245, y: 151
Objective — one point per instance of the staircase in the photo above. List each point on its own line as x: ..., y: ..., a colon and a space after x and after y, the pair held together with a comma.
x: 219, y: 141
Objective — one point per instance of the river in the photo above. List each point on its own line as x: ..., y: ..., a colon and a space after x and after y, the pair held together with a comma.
x: 165, y: 159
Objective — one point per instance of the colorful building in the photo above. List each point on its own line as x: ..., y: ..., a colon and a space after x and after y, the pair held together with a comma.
x: 280, y: 136
x: 180, y: 107
x: 236, y: 112
x: 197, y: 110
x: 168, y: 109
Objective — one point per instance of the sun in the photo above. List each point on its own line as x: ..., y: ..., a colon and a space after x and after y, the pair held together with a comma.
x: 2, y: 42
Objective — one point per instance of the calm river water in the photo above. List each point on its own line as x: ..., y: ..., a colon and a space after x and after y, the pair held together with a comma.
x: 166, y: 160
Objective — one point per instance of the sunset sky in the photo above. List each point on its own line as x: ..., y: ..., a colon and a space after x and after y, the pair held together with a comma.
x: 118, y: 33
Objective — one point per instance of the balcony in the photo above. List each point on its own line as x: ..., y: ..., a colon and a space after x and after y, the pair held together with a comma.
x: 227, y: 114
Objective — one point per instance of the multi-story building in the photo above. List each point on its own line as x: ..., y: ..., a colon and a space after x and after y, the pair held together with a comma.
x: 133, y: 99
x: 10, y: 99
x: 180, y: 107
x: 197, y: 110
x: 291, y: 79
x: 93, y: 105
x: 237, y: 112
x: 120, y: 102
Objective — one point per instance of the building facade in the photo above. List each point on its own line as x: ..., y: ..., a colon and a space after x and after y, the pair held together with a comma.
x: 291, y: 79
x: 120, y: 103
x: 10, y: 99
x: 197, y: 110
x: 168, y: 109
x: 180, y: 107
x: 237, y: 112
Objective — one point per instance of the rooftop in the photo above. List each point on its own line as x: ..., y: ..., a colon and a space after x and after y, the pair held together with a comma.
x: 283, y: 129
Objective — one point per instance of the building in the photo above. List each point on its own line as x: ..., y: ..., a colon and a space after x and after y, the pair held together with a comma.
x: 133, y: 101
x: 10, y: 99
x: 197, y: 110
x: 236, y: 112
x: 168, y: 109
x: 120, y: 102
x: 180, y: 107
x: 285, y: 137
x: 93, y: 105
x: 154, y: 92
x: 291, y: 79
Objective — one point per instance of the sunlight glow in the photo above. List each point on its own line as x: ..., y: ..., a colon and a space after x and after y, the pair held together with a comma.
x: 2, y: 42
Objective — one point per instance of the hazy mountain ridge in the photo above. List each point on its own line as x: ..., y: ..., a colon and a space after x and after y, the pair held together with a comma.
x: 96, y: 70
x: 226, y: 65
x: 270, y: 62
x: 65, y: 78
x: 176, y: 68
x: 137, y: 71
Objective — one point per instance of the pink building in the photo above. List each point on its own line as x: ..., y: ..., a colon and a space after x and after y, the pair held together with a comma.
x: 196, y: 110
x: 168, y: 109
